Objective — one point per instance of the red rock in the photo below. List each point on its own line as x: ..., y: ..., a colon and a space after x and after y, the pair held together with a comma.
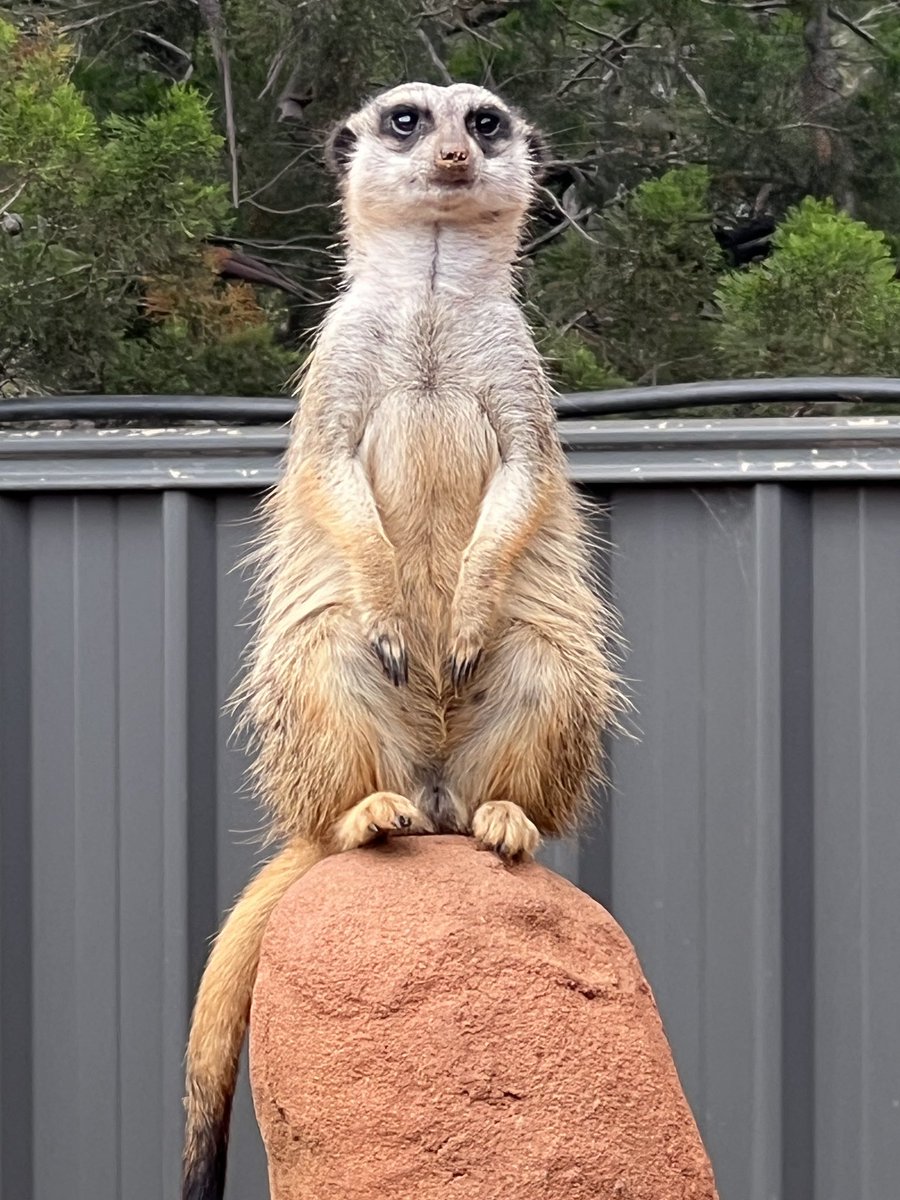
x: 428, y: 1023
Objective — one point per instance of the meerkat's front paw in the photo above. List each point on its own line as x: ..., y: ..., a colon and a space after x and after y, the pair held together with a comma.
x: 386, y: 639
x: 471, y: 622
x: 504, y: 828
x: 378, y: 815
x: 466, y: 649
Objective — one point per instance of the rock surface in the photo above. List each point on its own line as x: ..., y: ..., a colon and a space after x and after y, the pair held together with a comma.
x: 430, y: 1023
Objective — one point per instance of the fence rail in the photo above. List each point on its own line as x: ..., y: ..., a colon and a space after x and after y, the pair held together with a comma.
x: 256, y: 410
x: 750, y: 848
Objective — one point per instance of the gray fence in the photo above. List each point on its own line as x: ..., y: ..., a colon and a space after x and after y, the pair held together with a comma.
x: 752, y: 848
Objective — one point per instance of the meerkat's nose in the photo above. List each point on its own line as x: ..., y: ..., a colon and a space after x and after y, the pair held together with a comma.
x: 453, y: 155
x: 453, y: 159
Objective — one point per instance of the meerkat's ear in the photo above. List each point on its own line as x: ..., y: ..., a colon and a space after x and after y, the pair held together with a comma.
x: 539, y: 152
x: 339, y: 148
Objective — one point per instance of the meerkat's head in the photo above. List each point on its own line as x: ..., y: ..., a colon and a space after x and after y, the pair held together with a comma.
x: 421, y: 154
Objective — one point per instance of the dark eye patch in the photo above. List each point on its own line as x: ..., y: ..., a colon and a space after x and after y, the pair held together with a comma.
x: 489, y: 126
x: 404, y: 124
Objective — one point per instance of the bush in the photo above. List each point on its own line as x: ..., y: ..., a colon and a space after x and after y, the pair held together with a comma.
x: 109, y: 207
x: 642, y: 281
x: 825, y: 303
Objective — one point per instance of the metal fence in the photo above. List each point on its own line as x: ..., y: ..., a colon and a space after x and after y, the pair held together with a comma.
x: 752, y: 847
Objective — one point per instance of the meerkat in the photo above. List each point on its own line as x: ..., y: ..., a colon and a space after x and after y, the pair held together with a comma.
x: 430, y: 654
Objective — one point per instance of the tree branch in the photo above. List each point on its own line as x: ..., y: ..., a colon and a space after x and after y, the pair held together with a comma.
x: 434, y: 56
x: 167, y: 45
x: 105, y: 16
x: 568, y: 218
x: 821, y: 96
x: 215, y: 24
x: 612, y: 55
x: 473, y: 17
x: 14, y: 197
x: 837, y: 15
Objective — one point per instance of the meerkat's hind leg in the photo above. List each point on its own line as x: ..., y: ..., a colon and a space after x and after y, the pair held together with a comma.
x: 331, y: 729
x: 377, y: 816
x: 524, y: 742
x: 503, y: 827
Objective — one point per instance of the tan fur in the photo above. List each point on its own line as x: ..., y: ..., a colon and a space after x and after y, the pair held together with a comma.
x: 375, y: 817
x: 429, y: 647
x: 222, y: 1006
x: 504, y: 827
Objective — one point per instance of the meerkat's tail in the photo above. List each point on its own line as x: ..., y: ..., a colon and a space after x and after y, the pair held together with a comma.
x: 220, y: 1018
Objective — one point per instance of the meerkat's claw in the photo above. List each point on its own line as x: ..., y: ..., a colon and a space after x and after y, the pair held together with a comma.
x: 377, y: 816
x: 462, y: 670
x: 504, y: 828
x: 401, y: 821
x: 464, y: 659
x: 392, y: 655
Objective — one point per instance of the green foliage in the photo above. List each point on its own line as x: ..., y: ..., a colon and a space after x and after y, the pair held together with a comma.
x: 573, y: 366
x: 105, y: 204
x: 826, y: 302
x: 667, y: 121
x: 637, y: 291
x: 108, y: 90
x: 172, y: 362
x: 203, y: 338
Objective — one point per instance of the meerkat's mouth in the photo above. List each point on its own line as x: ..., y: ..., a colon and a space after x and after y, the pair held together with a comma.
x: 448, y: 181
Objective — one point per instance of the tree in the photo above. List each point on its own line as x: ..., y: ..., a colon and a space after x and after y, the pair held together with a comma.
x: 105, y: 207
x: 836, y: 279
x: 683, y: 132
x: 635, y: 285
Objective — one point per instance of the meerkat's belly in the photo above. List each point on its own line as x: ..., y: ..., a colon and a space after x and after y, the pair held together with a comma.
x: 429, y: 457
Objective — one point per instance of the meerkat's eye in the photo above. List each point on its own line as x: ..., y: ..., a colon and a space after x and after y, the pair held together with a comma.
x: 486, y: 122
x: 404, y: 121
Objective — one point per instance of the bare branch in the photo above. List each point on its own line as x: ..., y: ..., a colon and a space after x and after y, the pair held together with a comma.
x: 14, y: 197
x: 568, y: 217
x: 612, y: 55
x: 105, y: 16
x: 300, y: 242
x: 719, y: 119
x: 473, y: 17
x: 164, y: 42
x: 278, y: 174
x: 167, y: 45
x: 478, y: 15
x: 837, y: 15
x: 878, y: 11
x: 434, y: 56
x: 282, y: 212
x: 749, y: 6
x: 274, y: 71
x: 550, y: 234
x: 700, y: 93
x: 215, y: 24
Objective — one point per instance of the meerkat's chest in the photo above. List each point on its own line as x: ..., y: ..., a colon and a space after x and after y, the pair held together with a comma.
x: 429, y: 447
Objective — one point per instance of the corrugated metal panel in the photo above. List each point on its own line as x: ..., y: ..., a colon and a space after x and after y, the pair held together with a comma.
x: 750, y: 851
